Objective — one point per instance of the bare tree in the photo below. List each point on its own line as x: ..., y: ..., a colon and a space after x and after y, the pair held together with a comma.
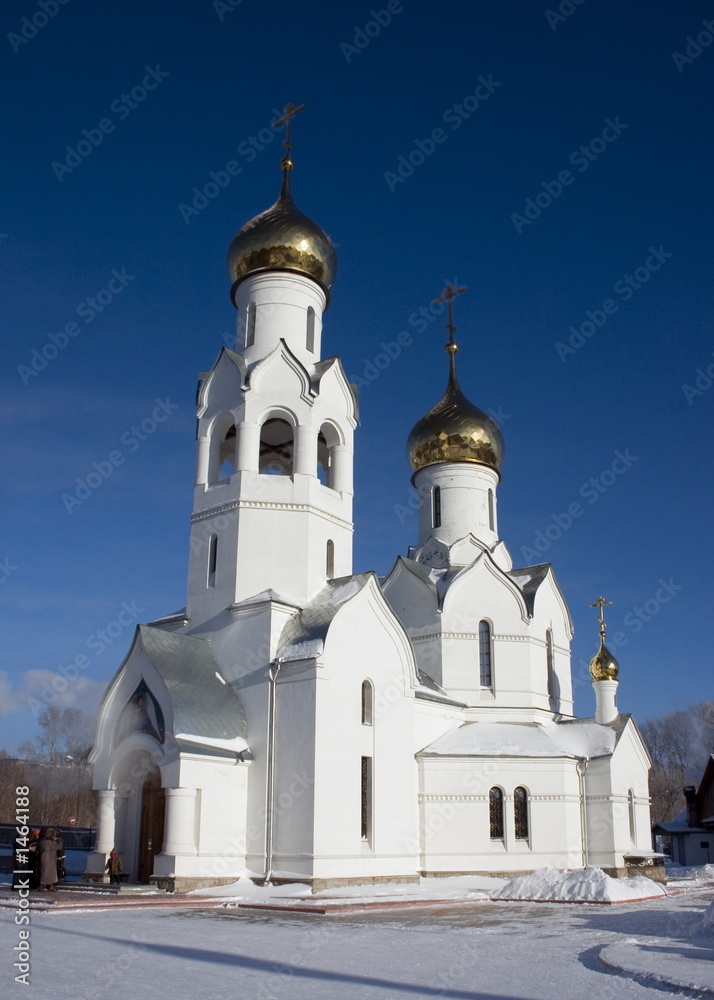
x: 56, y: 769
x: 679, y: 744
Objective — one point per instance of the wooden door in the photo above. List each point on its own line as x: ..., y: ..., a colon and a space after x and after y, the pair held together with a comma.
x: 153, y: 811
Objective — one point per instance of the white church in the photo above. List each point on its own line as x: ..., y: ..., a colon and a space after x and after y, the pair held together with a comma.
x: 306, y: 723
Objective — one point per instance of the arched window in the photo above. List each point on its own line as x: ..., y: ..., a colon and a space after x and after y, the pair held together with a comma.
x: 491, y: 511
x: 212, y: 559
x: 330, y: 559
x: 276, y: 448
x: 520, y: 813
x: 310, y: 343
x: 631, y: 813
x: 367, y: 702
x: 327, y: 439
x: 222, y: 449
x: 227, y: 457
x: 250, y: 325
x: 484, y: 654
x: 495, y: 813
x: 436, y: 507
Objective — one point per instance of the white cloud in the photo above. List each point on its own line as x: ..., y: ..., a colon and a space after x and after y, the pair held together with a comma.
x: 48, y: 688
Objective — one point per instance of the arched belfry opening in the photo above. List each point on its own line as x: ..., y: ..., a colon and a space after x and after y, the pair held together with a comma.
x: 222, y: 455
x: 327, y: 440
x: 277, y: 447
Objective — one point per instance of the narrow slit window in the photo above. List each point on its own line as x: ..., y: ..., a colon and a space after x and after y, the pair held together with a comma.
x: 212, y: 560
x: 631, y: 813
x: 491, y: 511
x: 330, y: 559
x: 436, y: 507
x: 495, y: 812
x: 250, y: 325
x: 367, y: 703
x: 366, y: 799
x: 520, y: 813
x: 310, y: 330
x: 484, y: 654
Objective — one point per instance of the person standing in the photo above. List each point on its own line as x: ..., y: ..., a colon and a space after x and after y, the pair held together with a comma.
x: 114, y: 867
x: 61, y: 870
x: 48, y: 850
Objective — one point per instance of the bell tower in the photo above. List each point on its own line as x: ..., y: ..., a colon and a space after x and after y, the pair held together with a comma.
x: 273, y: 493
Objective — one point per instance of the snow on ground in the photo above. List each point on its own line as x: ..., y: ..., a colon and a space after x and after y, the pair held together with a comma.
x: 484, y: 951
x: 701, y: 873
x: 455, y: 887
x: 591, y: 884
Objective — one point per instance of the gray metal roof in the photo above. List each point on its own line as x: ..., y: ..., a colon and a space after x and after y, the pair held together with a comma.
x: 306, y: 632
x: 534, y: 576
x: 203, y: 705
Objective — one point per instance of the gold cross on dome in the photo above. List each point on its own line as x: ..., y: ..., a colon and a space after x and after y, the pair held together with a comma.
x: 448, y: 295
x: 601, y: 603
x: 289, y: 112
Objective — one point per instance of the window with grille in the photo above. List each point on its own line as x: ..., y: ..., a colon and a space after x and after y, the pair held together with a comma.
x: 520, y: 813
x: 495, y: 811
x: 366, y: 798
x: 484, y: 653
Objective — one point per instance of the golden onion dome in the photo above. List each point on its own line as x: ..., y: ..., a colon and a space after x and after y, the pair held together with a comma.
x: 455, y: 431
x: 604, y: 666
x: 283, y: 239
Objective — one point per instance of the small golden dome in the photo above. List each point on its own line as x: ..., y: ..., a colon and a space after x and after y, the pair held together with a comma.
x: 455, y: 431
x: 283, y: 239
x: 604, y: 666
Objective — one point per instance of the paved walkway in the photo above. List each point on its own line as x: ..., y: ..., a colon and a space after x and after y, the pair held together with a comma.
x: 666, y: 962
x: 663, y: 962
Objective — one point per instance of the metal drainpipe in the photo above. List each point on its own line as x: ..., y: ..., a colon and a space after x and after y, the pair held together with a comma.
x: 273, y: 671
x: 582, y: 767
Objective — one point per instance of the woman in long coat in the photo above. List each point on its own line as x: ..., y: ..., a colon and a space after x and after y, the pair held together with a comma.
x: 48, y: 849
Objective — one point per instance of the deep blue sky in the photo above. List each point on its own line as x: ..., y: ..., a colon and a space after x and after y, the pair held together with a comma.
x: 553, y: 88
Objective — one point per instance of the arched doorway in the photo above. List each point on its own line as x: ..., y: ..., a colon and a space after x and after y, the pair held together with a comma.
x: 153, y: 812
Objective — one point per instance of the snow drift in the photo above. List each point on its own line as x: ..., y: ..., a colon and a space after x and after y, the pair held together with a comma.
x: 589, y: 885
